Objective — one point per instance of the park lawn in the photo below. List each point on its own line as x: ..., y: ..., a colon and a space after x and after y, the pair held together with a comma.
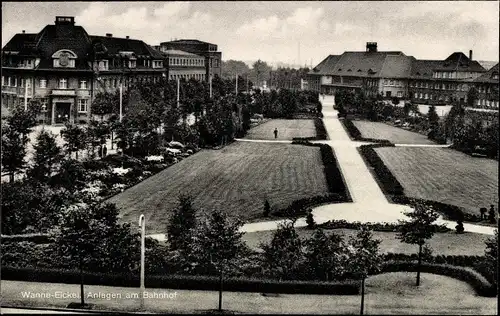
x: 444, y: 175
x: 236, y: 179
x: 441, y: 243
x: 388, y: 293
x: 396, y: 135
x: 287, y: 129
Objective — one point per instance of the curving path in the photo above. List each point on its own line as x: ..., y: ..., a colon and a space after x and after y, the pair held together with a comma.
x: 369, y: 202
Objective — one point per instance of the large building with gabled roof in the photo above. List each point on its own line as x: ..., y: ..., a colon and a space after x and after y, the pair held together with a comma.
x: 63, y: 67
x: 394, y: 74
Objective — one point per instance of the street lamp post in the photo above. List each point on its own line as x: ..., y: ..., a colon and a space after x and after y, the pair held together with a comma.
x: 121, y: 100
x: 142, y: 224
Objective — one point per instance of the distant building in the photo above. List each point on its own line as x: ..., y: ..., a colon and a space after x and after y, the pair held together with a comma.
x: 393, y: 74
x: 487, y: 86
x: 207, y: 50
x: 185, y: 65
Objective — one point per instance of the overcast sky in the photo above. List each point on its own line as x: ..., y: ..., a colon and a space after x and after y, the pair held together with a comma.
x: 274, y: 31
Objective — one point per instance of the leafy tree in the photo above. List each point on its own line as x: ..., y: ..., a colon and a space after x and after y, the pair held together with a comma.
x: 72, y: 176
x: 22, y: 121
x: 260, y: 72
x: 104, y: 103
x: 13, y: 151
x: 417, y: 229
x: 75, y: 138
x: 91, y: 238
x: 182, y: 224
x: 324, y: 255
x: 472, y: 96
x: 433, y: 117
x: 46, y: 158
x: 231, y: 68
x: 310, y: 219
x: 284, y: 255
x: 364, y: 258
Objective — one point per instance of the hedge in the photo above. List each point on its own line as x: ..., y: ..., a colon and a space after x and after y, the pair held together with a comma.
x: 466, y: 274
x: 450, y: 212
x: 381, y: 227
x: 355, y: 134
x: 34, y: 238
x: 333, y: 175
x: 389, y: 184
x: 299, y: 207
x: 207, y: 283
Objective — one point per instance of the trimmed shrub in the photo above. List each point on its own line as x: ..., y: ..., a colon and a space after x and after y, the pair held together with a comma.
x: 382, y: 227
x: 299, y: 207
x: 321, y: 133
x: 450, y: 212
x: 466, y: 274
x: 389, y: 184
x: 207, y: 283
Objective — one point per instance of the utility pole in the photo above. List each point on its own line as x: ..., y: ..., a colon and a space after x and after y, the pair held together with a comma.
x: 142, y: 224
x: 26, y: 94
x: 121, y: 100
x: 178, y: 90
x: 210, y: 84
x: 236, y: 89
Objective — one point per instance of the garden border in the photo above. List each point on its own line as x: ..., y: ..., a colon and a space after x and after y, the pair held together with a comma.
x: 354, y: 133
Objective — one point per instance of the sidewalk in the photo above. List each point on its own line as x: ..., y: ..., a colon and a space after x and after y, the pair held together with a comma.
x: 378, y: 300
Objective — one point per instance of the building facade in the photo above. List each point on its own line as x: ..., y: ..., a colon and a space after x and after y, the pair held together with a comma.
x: 63, y: 67
x: 207, y: 50
x: 393, y: 74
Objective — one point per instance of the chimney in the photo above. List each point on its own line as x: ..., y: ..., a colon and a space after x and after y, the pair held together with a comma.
x: 470, y: 54
x: 24, y: 32
x: 109, y: 35
x: 371, y: 47
x: 65, y: 20
x: 127, y: 37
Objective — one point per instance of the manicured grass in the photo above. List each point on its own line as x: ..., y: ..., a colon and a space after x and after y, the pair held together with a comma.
x: 441, y: 243
x: 379, y: 130
x: 444, y: 175
x: 235, y: 179
x: 387, y: 293
x: 395, y: 293
x: 287, y: 129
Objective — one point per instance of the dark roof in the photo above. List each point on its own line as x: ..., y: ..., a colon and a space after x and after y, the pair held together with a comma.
x: 22, y: 43
x: 423, y: 68
x: 365, y: 64
x: 56, y: 37
x: 488, y: 76
x: 187, y: 41
x: 459, y: 62
x: 114, y: 45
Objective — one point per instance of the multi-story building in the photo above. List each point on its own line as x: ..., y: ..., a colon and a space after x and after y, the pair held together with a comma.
x: 441, y: 82
x: 185, y: 65
x: 63, y: 67
x: 393, y: 74
x: 375, y: 72
x: 487, y: 87
x: 207, y: 50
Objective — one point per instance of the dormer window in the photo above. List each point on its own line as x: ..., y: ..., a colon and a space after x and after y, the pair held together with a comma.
x: 132, y: 63
x: 349, y: 70
x: 157, y: 63
x: 64, y: 59
x: 340, y: 69
x: 359, y: 70
x: 495, y: 76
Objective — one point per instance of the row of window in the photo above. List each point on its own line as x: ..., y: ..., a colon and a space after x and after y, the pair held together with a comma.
x: 186, y: 62
x: 82, y: 104
x: 487, y: 103
x: 428, y: 96
x: 396, y: 83
x: 42, y: 83
x: 454, y: 74
x: 103, y: 65
x: 199, y: 77
x: 440, y: 86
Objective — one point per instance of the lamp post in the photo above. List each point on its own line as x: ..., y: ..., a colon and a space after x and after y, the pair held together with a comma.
x: 210, y: 84
x: 121, y: 100
x: 142, y: 224
x: 26, y: 94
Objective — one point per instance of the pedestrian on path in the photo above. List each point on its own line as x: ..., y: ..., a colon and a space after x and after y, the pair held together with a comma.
x: 275, y: 133
x: 104, y: 150
x: 99, y: 151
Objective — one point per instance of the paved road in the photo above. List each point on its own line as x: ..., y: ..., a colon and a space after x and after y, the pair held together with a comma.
x: 34, y: 311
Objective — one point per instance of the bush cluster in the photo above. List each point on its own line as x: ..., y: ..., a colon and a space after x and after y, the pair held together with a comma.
x: 382, y: 227
x: 451, y: 212
x: 300, y: 207
x: 390, y: 185
x: 466, y: 274
x: 208, y: 283
x: 321, y: 133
